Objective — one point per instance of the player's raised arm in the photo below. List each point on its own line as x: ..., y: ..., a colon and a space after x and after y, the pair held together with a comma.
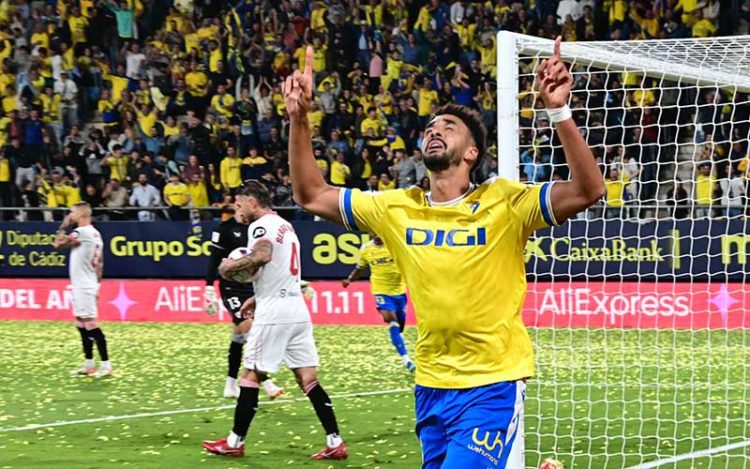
x: 586, y: 185
x: 261, y: 255
x: 63, y: 240
x: 309, y: 189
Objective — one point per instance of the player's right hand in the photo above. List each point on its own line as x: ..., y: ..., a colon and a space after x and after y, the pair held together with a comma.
x: 210, y: 302
x: 346, y: 282
x: 298, y: 87
x: 247, y: 310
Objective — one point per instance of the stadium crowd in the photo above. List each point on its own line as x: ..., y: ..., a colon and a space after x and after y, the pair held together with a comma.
x: 138, y: 103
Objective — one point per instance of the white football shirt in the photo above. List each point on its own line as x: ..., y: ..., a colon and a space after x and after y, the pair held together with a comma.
x: 86, y: 257
x: 277, y: 289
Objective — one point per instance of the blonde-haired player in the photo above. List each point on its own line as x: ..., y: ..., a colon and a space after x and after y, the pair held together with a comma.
x: 388, y: 288
x: 86, y: 265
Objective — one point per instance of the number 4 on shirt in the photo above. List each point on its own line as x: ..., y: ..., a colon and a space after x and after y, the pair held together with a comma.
x: 294, y: 260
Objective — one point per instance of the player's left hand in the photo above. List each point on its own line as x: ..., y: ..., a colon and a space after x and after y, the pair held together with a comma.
x: 247, y: 310
x: 210, y: 302
x: 553, y: 79
x: 298, y: 89
x: 66, y: 222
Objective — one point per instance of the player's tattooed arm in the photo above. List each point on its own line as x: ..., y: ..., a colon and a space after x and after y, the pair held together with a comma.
x: 64, y: 241
x: 261, y: 255
x: 356, y: 273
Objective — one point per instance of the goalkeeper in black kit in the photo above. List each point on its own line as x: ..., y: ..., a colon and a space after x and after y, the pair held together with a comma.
x: 227, y: 237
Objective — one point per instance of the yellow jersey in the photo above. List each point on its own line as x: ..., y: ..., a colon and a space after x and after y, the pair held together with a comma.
x: 176, y: 194
x: 616, y: 191
x: 704, y: 189
x: 385, y: 279
x: 198, y: 194
x: 463, y: 262
x: 4, y: 170
x: 426, y: 98
x: 230, y: 172
x: 340, y: 173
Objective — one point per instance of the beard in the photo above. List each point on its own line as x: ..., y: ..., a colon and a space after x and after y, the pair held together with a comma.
x: 442, y: 161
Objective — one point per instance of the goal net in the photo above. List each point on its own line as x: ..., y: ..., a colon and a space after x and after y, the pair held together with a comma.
x: 638, y: 308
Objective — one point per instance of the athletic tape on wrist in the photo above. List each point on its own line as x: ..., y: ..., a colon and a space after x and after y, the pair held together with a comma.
x: 559, y: 114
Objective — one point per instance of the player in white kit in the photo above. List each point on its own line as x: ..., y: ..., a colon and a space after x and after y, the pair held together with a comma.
x: 86, y: 264
x: 282, y: 330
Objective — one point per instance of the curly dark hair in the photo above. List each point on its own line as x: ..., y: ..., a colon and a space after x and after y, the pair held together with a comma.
x: 471, y: 119
x: 256, y: 189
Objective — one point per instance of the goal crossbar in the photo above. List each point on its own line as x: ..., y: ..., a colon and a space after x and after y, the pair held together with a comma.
x: 722, y: 61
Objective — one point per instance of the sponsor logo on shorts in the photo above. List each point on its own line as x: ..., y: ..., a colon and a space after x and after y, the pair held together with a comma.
x: 490, y: 445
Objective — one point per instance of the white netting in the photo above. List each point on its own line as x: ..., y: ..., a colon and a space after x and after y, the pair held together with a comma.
x: 648, y: 362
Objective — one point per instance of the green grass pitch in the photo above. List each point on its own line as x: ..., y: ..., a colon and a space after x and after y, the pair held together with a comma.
x: 602, y: 399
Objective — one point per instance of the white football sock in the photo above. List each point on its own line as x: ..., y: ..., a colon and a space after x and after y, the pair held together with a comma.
x: 234, y: 440
x: 88, y: 363
x: 333, y: 440
x: 231, y: 381
x: 106, y: 365
x: 405, y: 359
x: 270, y: 387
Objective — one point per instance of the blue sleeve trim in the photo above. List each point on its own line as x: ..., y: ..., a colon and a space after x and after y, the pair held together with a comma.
x: 349, y: 220
x: 546, y: 204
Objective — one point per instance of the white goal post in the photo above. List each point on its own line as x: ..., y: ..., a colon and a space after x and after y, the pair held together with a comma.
x: 638, y: 309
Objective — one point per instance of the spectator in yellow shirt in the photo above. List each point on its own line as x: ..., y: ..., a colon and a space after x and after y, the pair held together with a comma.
x: 198, y: 191
x: 60, y: 193
x: 223, y: 102
x: 703, y: 191
x: 372, y: 122
x: 197, y: 82
x: 230, y: 170
x: 702, y: 27
x: 340, y: 172
x: 427, y: 96
x: 616, y: 185
x: 177, y: 196
x: 117, y: 163
x: 319, y: 55
x: 40, y: 38
x: 386, y: 183
x: 77, y: 24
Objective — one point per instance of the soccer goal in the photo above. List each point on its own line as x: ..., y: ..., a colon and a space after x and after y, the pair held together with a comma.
x: 638, y: 308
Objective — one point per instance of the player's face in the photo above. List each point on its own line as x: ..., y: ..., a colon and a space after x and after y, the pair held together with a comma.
x: 241, y: 217
x: 446, y: 141
x: 247, y: 207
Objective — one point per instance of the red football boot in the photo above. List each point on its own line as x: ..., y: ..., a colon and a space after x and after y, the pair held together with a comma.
x: 222, y: 448
x: 339, y: 452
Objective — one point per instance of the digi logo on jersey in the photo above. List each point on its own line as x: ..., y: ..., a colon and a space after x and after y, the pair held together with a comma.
x: 452, y: 238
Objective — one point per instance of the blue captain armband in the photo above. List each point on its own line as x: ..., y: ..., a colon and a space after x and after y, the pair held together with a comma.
x: 545, y: 202
x: 345, y: 207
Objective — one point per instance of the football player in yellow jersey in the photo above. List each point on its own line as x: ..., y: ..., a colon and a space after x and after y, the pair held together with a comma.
x: 389, y: 291
x: 460, y: 249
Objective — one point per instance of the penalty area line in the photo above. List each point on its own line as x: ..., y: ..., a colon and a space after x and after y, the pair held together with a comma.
x: 693, y: 455
x: 114, y: 418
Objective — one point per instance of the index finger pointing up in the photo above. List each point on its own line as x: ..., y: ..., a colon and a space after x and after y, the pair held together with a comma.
x: 309, y: 61
x: 556, y: 53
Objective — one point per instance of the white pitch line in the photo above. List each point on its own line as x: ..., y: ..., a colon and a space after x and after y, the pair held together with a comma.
x: 693, y: 455
x: 113, y: 418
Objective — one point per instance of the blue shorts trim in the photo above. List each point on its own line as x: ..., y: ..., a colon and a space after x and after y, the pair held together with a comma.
x: 395, y: 303
x: 471, y: 428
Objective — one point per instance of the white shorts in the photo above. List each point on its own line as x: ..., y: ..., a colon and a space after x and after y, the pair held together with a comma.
x: 268, y: 345
x: 85, y: 302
